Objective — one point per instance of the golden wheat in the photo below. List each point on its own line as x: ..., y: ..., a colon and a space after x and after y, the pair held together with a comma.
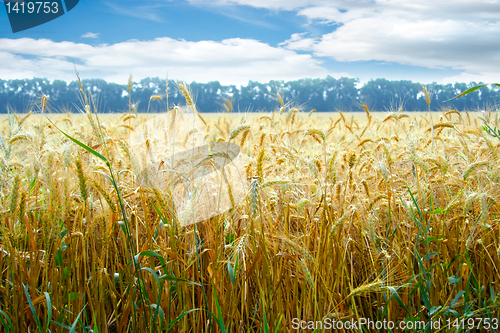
x: 335, y: 228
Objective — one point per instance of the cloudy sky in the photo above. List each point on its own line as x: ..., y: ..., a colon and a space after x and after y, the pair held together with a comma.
x: 234, y: 41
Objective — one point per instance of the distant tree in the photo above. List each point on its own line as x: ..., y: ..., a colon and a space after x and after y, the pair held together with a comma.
x: 341, y: 94
x: 382, y: 94
x: 327, y: 94
x: 208, y: 96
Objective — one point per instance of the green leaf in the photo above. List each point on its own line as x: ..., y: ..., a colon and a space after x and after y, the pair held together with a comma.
x: 279, y: 323
x: 169, y: 277
x: 394, y: 293
x: 460, y: 293
x: 33, y: 311
x: 84, y: 146
x: 72, y: 296
x: 230, y: 239
x: 426, y: 301
x: 49, y: 310
x: 95, y: 329
x: 158, y: 311
x: 434, y: 309
x: 61, y: 324
x: 494, y: 132
x: 266, y: 324
x: 173, y: 322
x: 220, y: 320
x: 149, y: 253
x: 162, y: 218
x: 418, y: 208
x: 437, y: 211
x: 72, y: 328
x: 157, y: 278
x: 468, y: 91
x: 230, y: 271
x: 429, y: 255
x: 59, y: 260
x: 124, y: 228
x: 453, y: 279
x: 10, y: 328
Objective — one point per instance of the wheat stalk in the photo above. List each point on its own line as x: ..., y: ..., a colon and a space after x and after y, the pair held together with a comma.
x: 81, y: 180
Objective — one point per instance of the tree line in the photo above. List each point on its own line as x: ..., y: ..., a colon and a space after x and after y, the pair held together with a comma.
x: 326, y: 94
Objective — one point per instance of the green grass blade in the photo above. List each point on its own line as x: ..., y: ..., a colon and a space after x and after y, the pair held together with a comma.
x: 149, y: 253
x: 278, y: 325
x: 123, y: 226
x: 231, y: 272
x: 49, y: 310
x: 33, y: 311
x: 468, y: 91
x: 9, y: 328
x: 266, y: 324
x: 416, y: 205
x: 179, y: 317
x: 95, y: 329
x: 158, y: 312
x: 395, y: 295
x: 168, y: 277
x: 163, y: 220
x: 157, y: 278
x: 61, y: 317
x: 164, y: 277
x: 62, y: 325
x: 459, y: 294
x: 73, y: 327
x: 84, y: 146
x: 220, y: 320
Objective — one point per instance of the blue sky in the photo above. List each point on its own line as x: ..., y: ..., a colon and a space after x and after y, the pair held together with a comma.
x: 234, y: 41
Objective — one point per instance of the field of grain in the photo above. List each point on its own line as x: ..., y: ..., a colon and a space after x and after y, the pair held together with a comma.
x: 382, y: 216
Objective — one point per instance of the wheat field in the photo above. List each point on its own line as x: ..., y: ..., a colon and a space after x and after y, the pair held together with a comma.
x: 386, y: 216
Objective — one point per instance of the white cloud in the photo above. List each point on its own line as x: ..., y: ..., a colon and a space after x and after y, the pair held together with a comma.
x: 91, y: 35
x: 471, y: 77
x: 144, y: 12
x: 452, y: 34
x: 299, y: 42
x: 268, y: 4
x: 467, y: 46
x: 231, y: 61
x: 459, y: 35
